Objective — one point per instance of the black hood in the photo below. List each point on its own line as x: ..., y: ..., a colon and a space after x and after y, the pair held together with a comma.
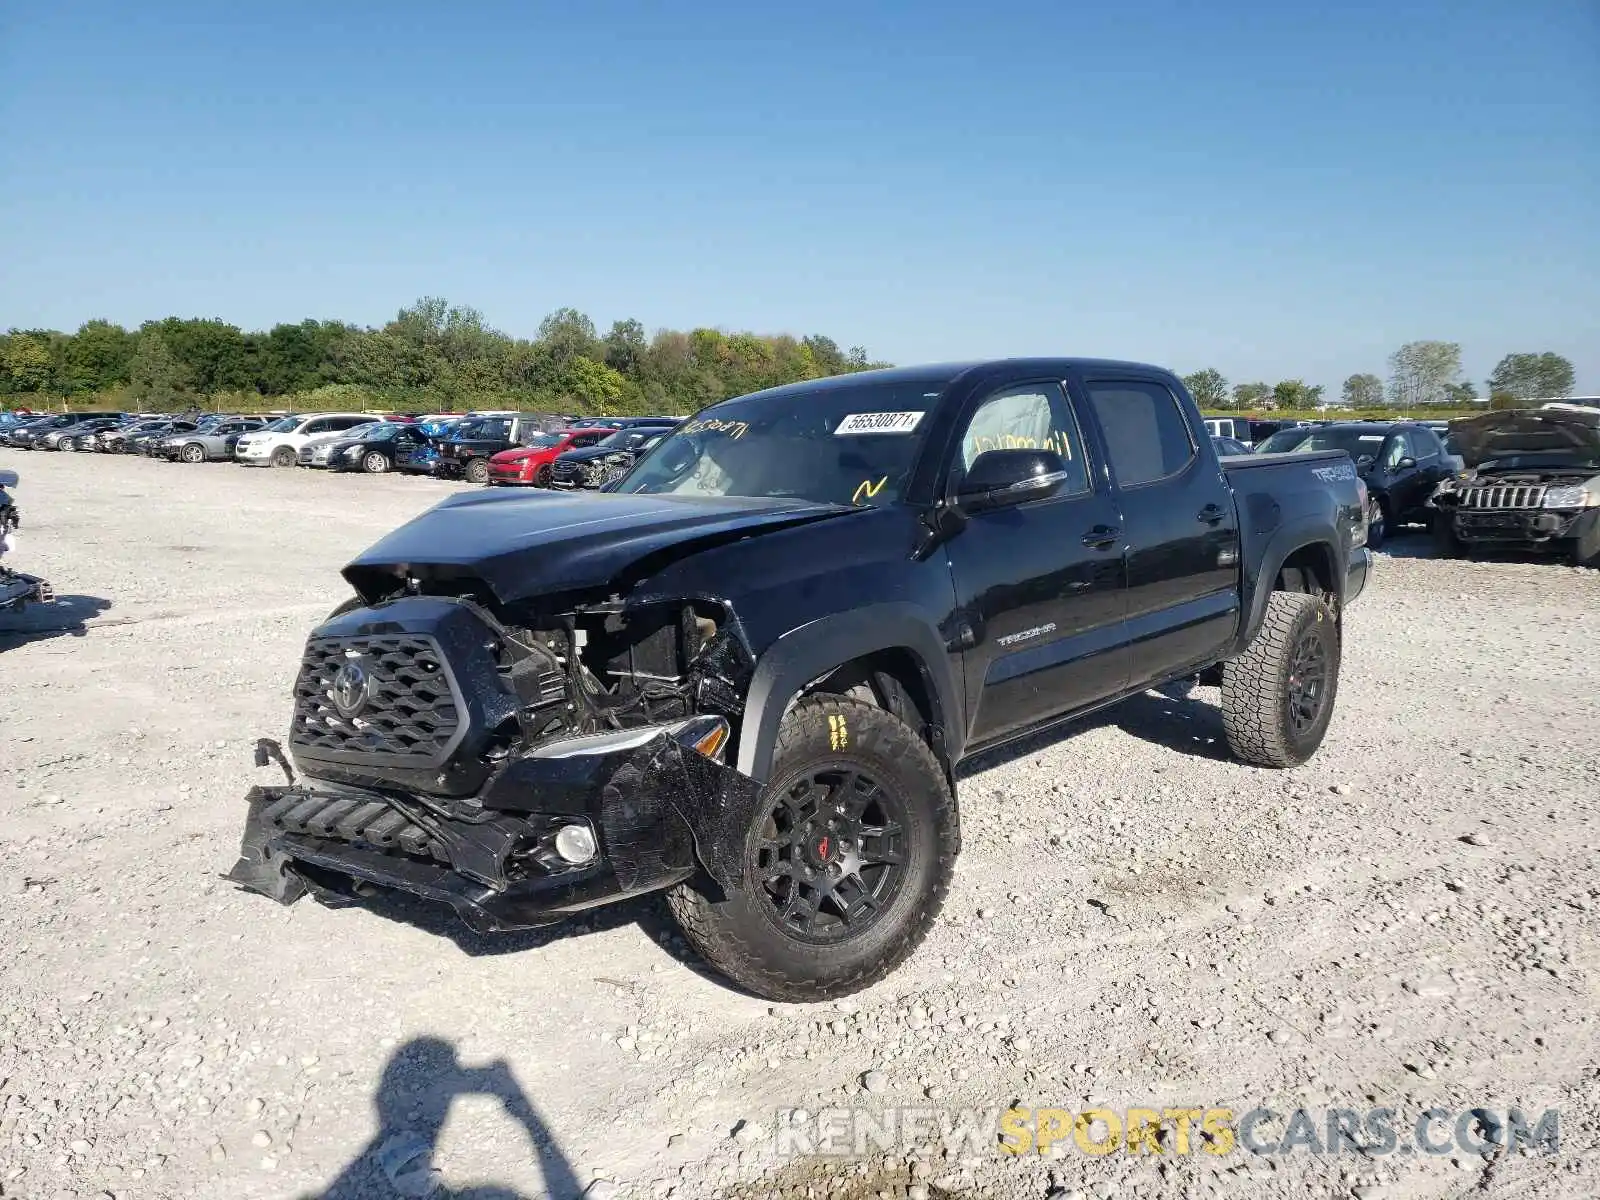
x: 530, y: 543
x: 591, y: 453
x: 1527, y: 431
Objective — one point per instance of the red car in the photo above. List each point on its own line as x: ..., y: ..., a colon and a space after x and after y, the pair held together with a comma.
x: 529, y: 466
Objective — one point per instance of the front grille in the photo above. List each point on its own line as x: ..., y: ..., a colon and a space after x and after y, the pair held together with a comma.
x: 363, y: 821
x: 568, y: 471
x: 412, y: 714
x: 1503, y: 496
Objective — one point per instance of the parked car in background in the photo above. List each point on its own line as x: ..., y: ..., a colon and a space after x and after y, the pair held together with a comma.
x: 1531, y: 482
x: 608, y: 460
x: 118, y: 440
x: 374, y: 449
x: 46, y: 434
x: 74, y: 437
x: 13, y: 435
x: 145, y: 442
x: 210, y: 443
x: 1401, y: 462
x: 1228, y: 446
x: 17, y: 590
x: 278, y: 444
x: 466, y: 450
x: 529, y: 466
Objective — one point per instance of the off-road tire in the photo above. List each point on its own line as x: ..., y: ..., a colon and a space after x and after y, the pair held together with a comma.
x: 1445, y: 542
x: 375, y: 463
x: 194, y: 452
x: 284, y: 456
x: 737, y: 937
x: 477, y: 470
x: 1256, y: 686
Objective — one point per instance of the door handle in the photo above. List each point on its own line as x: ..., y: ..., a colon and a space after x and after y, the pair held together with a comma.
x: 1101, y: 536
x: 1212, y: 514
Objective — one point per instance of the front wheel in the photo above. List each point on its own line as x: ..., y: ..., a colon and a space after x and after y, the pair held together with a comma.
x: 284, y: 456
x: 541, y: 477
x: 1277, y: 697
x: 375, y: 463
x: 846, y: 864
x: 67, y: 444
x: 1377, y: 523
x: 192, y: 453
x: 478, y: 470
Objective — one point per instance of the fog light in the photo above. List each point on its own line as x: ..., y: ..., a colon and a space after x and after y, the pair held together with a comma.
x: 575, y: 844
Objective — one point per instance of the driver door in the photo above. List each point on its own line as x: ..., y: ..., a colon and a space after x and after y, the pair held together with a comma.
x: 1041, y: 587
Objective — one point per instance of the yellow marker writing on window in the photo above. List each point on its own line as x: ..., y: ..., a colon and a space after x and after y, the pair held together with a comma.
x: 868, y: 489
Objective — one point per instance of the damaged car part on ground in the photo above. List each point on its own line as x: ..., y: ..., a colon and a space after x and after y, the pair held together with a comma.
x: 1532, y: 482
x: 745, y: 672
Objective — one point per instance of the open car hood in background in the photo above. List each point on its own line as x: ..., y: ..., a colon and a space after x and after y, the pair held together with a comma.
x: 1526, y: 431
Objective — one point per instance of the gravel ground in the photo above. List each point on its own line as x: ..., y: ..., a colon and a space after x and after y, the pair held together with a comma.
x: 1408, y: 920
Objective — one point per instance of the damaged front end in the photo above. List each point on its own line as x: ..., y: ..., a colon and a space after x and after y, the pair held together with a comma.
x: 519, y: 768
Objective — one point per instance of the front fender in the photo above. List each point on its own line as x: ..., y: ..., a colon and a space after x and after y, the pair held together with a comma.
x: 814, y: 649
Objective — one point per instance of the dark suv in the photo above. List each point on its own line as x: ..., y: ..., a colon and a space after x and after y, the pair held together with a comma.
x: 1401, y: 462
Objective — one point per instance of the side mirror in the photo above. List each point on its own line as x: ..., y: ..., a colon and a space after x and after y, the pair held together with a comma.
x: 1405, y: 464
x: 1003, y: 478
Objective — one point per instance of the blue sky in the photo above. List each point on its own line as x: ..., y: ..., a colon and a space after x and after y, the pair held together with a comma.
x: 1274, y: 189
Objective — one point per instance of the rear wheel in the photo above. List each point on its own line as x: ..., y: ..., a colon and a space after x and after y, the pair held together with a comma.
x: 284, y: 456
x: 846, y: 864
x: 1277, y: 697
x: 67, y: 443
x: 193, y: 452
x: 478, y: 470
x: 375, y: 463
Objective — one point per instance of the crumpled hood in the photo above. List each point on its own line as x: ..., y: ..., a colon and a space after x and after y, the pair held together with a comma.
x: 1526, y: 431
x: 526, y: 543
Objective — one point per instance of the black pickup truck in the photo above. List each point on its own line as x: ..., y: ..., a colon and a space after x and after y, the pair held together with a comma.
x: 745, y: 673
x: 466, y: 450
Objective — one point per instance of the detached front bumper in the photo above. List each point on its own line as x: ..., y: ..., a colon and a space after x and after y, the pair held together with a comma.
x: 1522, y: 528
x: 658, y: 811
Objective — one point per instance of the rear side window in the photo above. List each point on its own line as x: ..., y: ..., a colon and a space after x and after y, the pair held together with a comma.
x: 1146, y: 435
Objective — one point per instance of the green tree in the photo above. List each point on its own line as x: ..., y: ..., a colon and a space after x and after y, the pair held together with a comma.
x: 1296, y: 394
x: 1461, y: 394
x: 626, y: 347
x: 1533, y: 376
x: 1208, y: 387
x: 156, y: 377
x: 27, y: 361
x: 1252, y: 395
x: 1362, y: 391
x: 569, y: 334
x: 98, y: 356
x: 1421, y: 372
x: 595, y: 386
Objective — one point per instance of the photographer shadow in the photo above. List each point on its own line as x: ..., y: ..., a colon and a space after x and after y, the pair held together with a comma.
x: 420, y: 1082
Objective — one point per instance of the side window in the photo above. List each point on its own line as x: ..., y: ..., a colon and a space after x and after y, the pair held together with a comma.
x: 322, y: 426
x: 343, y: 423
x: 1032, y: 416
x: 1399, y: 447
x: 1427, y: 443
x: 1146, y: 434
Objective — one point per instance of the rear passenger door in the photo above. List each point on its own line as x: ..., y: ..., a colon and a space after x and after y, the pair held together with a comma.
x: 1181, y: 535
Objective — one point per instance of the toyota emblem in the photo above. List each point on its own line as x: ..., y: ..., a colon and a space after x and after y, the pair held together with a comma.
x: 351, y: 688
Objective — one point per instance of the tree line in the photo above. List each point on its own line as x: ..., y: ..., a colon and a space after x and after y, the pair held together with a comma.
x: 1420, y: 374
x: 433, y: 355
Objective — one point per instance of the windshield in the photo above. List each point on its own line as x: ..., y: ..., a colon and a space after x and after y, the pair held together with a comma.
x: 541, y: 441
x: 1354, y: 442
x: 381, y: 431
x: 839, y: 444
x: 486, y: 427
